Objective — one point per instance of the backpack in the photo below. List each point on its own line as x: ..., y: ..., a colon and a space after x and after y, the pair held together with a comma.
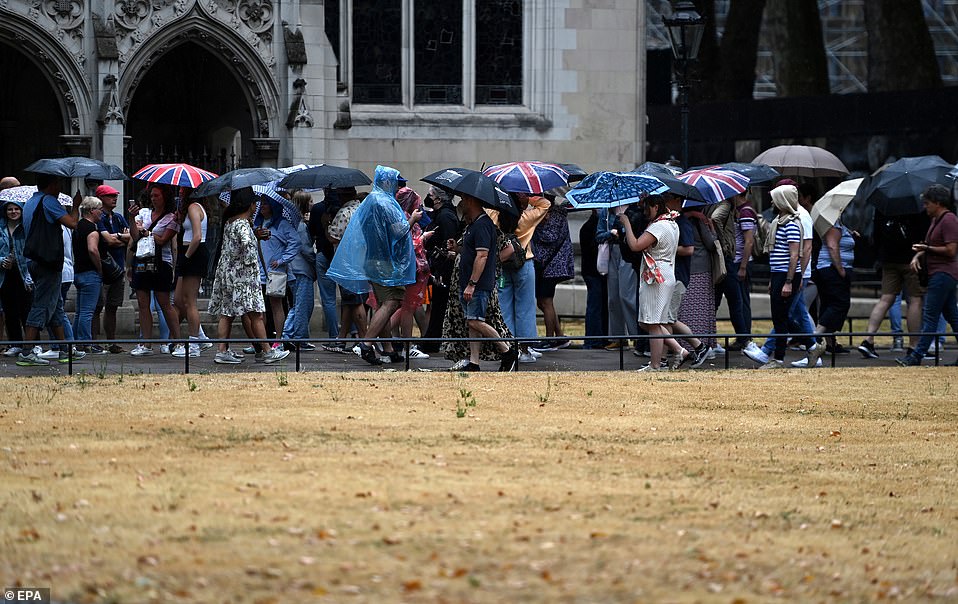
x: 761, y: 233
x: 518, y: 257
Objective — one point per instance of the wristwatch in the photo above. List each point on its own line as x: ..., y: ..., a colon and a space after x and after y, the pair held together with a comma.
x: 471, y: 282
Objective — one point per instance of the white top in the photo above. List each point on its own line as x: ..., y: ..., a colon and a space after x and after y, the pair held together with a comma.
x: 67, y: 275
x: 807, y: 233
x: 168, y: 221
x: 188, y: 227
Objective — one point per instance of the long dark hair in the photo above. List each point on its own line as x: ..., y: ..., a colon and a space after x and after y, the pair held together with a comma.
x: 508, y: 223
x: 657, y: 202
x: 240, y: 201
x: 169, y: 206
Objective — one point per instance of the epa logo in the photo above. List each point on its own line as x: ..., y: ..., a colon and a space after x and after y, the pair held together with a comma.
x: 36, y: 595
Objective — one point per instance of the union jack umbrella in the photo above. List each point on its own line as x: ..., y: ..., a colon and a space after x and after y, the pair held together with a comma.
x: 179, y: 175
x: 528, y: 176
x: 715, y: 184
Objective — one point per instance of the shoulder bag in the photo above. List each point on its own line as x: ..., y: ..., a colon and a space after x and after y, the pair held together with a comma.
x: 275, y: 280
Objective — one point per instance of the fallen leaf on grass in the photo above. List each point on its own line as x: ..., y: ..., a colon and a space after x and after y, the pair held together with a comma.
x: 413, y: 585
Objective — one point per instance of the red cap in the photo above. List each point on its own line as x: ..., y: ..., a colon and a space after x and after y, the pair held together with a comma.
x: 104, y: 190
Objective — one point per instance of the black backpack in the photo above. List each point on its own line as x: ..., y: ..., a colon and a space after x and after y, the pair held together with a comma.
x: 44, y: 243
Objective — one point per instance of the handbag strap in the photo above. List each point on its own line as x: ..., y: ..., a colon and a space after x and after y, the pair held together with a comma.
x: 259, y: 250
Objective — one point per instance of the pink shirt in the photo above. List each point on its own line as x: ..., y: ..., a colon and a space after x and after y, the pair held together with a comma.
x: 943, y: 230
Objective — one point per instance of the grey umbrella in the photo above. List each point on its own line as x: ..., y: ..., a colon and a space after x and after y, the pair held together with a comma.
x: 77, y: 167
x: 801, y: 160
x: 238, y: 179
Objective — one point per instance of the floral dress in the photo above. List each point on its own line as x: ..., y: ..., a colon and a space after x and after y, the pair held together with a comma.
x: 236, y: 289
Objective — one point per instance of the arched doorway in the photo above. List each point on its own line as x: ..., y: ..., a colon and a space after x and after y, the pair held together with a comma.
x: 190, y: 107
x: 31, y: 120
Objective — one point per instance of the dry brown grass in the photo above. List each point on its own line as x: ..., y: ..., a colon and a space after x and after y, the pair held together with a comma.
x: 600, y: 487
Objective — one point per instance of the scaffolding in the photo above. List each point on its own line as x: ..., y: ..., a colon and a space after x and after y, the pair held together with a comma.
x: 843, y: 29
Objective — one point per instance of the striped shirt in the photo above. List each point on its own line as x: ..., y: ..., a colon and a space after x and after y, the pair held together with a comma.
x: 784, y: 234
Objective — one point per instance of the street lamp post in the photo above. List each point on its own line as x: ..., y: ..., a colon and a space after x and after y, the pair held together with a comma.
x: 686, y: 28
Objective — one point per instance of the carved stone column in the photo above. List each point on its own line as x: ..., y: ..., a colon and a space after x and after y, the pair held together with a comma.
x: 267, y: 151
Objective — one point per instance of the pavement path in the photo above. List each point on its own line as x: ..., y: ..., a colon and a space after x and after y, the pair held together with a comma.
x: 569, y: 359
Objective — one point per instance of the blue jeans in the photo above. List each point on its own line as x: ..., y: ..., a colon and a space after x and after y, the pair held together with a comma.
x: 799, y: 321
x: 161, y: 325
x: 297, y: 321
x: 737, y: 296
x: 47, y: 307
x: 475, y: 309
x: 596, y: 310
x: 623, y: 287
x: 327, y: 295
x: 894, y: 318
x: 88, y: 285
x: 940, y: 300
x: 517, y: 299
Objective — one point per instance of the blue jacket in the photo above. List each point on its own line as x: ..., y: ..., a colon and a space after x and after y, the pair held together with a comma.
x: 17, y: 242
x: 304, y: 263
x: 283, y: 246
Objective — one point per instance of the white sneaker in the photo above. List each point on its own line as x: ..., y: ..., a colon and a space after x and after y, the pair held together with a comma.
x: 274, y: 355
x: 13, y: 351
x: 415, y: 353
x: 203, y: 343
x: 527, y: 357
x: 50, y: 354
x: 803, y: 363
x: 141, y: 351
x: 535, y: 353
x: 226, y: 358
x: 718, y: 349
x: 180, y: 350
x: 165, y: 348
x: 38, y: 350
x: 754, y: 352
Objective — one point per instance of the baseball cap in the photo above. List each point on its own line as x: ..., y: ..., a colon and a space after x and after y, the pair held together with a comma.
x: 104, y: 190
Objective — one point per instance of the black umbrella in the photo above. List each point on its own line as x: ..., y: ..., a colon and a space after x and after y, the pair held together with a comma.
x: 323, y: 176
x: 77, y: 167
x: 463, y: 181
x: 575, y: 172
x: 896, y: 189
x: 758, y: 174
x: 237, y: 179
x: 669, y: 178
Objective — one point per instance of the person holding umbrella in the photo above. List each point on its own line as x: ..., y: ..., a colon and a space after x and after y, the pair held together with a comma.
x: 658, y: 246
x: 939, y: 253
x: 42, y: 218
x: 477, y: 278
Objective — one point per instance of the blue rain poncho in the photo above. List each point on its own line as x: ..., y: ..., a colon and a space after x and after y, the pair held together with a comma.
x: 377, y: 245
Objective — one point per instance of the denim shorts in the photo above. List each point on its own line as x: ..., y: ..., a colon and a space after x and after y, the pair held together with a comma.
x: 47, y: 307
x: 475, y: 309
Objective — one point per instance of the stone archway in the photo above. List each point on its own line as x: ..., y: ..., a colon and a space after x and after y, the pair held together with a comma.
x: 45, y: 102
x: 181, y: 108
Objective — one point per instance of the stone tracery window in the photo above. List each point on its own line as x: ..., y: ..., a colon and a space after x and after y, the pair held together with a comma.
x: 411, y: 53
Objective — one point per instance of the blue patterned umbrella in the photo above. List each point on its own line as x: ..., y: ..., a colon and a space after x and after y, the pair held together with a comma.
x: 269, y: 193
x: 612, y: 189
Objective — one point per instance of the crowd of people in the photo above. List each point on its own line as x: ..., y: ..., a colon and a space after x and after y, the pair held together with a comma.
x: 387, y: 263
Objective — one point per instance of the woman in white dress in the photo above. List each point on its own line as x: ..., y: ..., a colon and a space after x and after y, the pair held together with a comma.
x: 658, y: 245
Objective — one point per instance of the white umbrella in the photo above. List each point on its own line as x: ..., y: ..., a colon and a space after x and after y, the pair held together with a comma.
x: 800, y: 160
x: 827, y: 210
x: 23, y: 193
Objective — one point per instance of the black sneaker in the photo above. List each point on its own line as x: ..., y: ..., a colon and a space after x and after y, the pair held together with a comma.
x: 368, y: 354
x: 836, y: 349
x: 908, y: 361
x: 700, y: 355
x: 738, y: 344
x: 395, y: 356
x: 510, y: 360
x: 868, y: 350
x: 471, y: 367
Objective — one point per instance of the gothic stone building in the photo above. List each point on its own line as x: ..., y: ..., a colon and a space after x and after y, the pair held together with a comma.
x: 417, y: 84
